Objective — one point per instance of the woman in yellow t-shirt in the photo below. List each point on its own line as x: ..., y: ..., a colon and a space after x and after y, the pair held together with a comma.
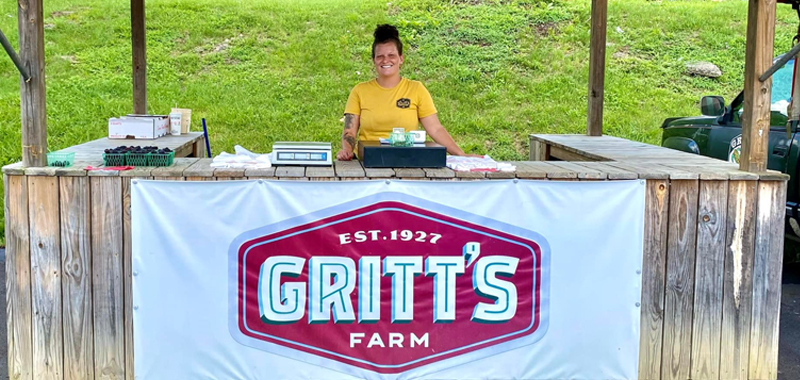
x: 389, y: 101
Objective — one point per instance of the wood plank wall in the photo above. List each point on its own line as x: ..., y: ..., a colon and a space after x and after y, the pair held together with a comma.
x: 710, y: 290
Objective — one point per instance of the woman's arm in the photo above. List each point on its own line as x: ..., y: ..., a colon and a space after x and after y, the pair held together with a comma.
x: 437, y: 132
x: 351, y: 124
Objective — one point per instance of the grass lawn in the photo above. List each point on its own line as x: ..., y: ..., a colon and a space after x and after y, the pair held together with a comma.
x: 266, y: 70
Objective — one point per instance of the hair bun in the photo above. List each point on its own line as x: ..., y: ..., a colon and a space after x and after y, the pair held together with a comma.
x: 386, y: 32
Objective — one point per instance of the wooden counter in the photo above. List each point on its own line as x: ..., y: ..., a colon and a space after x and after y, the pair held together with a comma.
x: 713, y: 250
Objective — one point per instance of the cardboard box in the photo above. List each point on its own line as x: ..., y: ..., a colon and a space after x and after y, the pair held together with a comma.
x: 145, y: 127
x: 161, y: 123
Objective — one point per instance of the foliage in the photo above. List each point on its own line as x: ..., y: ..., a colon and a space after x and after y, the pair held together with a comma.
x: 267, y: 70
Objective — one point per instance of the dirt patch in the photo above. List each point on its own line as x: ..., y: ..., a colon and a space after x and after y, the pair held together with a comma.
x: 69, y: 58
x: 72, y: 14
x: 205, y: 70
x: 471, y: 2
x: 520, y: 146
x: 475, y: 43
x: 223, y: 46
x: 393, y: 9
x: 58, y: 14
x: 488, y: 144
x: 622, y: 53
x: 49, y: 26
x: 217, y: 48
x: 544, y: 29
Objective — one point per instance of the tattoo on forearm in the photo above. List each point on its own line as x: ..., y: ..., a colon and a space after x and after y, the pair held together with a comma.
x: 348, y: 121
x: 349, y: 139
x: 347, y: 134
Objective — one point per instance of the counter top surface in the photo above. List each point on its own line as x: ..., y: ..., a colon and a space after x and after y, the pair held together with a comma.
x: 606, y: 158
x: 200, y: 170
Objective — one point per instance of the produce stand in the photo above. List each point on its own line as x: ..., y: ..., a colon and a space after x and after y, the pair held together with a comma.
x: 713, y: 234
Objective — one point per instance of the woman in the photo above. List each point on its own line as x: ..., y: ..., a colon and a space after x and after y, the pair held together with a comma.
x: 390, y: 101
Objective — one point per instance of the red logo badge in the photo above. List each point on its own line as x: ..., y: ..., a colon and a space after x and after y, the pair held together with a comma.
x: 389, y: 287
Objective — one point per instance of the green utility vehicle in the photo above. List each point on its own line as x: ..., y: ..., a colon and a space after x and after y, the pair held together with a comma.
x: 718, y: 133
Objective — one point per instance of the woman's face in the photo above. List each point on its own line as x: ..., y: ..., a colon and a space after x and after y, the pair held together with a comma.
x: 387, y: 60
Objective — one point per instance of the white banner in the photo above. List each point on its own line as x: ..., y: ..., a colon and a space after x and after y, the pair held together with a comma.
x: 387, y: 279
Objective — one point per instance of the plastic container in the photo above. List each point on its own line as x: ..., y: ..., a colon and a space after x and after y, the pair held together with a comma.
x: 161, y: 159
x: 175, y: 123
x: 186, y: 119
x: 61, y: 160
x: 401, y: 139
x: 138, y: 159
x: 114, y: 159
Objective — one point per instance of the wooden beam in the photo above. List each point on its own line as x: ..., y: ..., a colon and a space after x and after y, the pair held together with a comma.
x: 708, y: 284
x: 653, y: 278
x: 597, y: 68
x: 107, y: 277
x: 76, y: 283
x: 767, y: 270
x: 756, y: 111
x: 19, y: 316
x: 737, y: 297
x: 680, y: 276
x: 139, y: 51
x: 48, y: 338
x: 32, y: 92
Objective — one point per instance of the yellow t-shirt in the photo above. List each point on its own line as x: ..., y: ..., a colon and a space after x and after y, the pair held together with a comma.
x: 382, y: 109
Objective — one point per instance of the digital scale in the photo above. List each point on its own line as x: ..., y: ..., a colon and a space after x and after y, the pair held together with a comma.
x: 301, y: 153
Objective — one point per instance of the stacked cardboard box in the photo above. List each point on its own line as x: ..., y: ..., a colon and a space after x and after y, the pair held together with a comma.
x: 145, y: 127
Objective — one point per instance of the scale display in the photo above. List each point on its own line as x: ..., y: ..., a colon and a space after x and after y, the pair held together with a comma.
x: 301, y: 153
x: 290, y: 156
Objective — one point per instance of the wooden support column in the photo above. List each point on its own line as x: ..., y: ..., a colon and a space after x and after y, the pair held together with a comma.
x: 756, y: 111
x: 32, y: 93
x: 597, y: 68
x: 139, y: 51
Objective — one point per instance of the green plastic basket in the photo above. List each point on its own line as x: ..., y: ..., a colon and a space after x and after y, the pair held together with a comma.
x: 138, y: 159
x: 62, y: 160
x: 401, y: 139
x: 161, y: 159
x: 114, y: 159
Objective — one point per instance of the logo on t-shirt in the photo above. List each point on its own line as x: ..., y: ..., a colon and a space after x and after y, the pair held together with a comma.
x: 403, y: 103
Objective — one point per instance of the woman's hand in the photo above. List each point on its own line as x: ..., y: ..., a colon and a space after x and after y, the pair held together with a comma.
x: 344, y: 154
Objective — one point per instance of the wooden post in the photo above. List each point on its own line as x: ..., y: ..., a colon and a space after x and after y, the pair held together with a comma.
x: 597, y: 68
x: 139, y: 51
x: 32, y: 93
x: 756, y: 111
